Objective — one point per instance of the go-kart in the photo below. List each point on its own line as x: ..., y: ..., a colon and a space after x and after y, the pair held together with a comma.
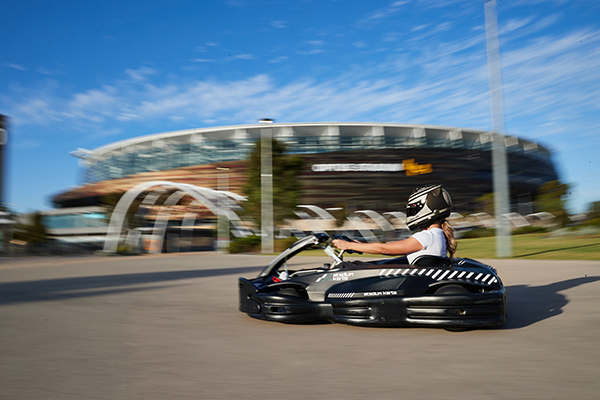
x: 454, y: 294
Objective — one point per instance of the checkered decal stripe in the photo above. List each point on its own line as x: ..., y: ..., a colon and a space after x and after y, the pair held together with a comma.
x: 340, y: 295
x: 440, y: 274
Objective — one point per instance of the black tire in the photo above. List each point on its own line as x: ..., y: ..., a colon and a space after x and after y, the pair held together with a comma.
x: 452, y: 289
x: 294, y: 292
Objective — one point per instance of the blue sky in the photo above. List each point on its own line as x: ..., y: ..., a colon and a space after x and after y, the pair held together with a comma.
x: 88, y: 73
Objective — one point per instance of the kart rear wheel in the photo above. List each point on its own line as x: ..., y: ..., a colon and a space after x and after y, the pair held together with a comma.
x: 453, y: 289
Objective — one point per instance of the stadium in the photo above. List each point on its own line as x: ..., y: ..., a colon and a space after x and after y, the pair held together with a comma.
x: 362, y: 166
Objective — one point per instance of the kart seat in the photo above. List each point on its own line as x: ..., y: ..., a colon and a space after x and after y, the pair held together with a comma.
x: 431, y: 261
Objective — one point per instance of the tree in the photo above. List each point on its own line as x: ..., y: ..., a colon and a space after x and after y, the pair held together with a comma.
x: 551, y: 197
x: 594, y: 212
x: 485, y: 203
x: 339, y: 212
x: 286, y: 187
x: 33, y: 232
x: 109, y: 201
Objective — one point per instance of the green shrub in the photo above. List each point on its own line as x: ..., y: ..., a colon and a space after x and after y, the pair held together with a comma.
x: 282, y: 244
x: 126, y: 250
x: 246, y: 244
x: 591, y: 222
x: 252, y: 244
x: 529, y: 229
x: 479, y: 233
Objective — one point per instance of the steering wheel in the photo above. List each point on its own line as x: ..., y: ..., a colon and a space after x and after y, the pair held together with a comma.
x: 347, y: 239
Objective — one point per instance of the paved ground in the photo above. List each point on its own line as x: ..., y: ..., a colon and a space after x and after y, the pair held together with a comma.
x: 167, y: 327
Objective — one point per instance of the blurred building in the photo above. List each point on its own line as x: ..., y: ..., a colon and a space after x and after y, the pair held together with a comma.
x: 361, y: 165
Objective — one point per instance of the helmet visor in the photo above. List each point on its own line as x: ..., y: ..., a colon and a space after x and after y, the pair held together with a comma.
x: 413, y: 209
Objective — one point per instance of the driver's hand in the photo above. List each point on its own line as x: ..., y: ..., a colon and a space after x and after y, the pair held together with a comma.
x: 342, y: 244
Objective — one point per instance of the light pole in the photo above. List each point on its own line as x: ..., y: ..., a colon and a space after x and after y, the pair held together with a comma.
x: 266, y: 188
x: 223, y: 221
x: 499, y: 164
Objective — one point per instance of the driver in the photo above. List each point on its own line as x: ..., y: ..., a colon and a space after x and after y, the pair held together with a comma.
x: 427, y: 209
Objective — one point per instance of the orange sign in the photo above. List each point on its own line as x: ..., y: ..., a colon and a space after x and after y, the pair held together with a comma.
x: 412, y: 168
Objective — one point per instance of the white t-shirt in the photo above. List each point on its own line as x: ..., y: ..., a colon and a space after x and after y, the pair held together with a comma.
x: 433, y: 242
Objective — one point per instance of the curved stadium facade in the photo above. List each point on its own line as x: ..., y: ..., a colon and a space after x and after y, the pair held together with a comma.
x: 361, y: 165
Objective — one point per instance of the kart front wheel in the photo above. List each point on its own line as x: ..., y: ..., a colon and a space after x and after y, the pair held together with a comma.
x: 294, y: 292
x: 452, y: 289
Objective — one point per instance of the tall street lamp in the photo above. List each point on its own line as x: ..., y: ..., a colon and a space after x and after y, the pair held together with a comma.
x: 223, y: 221
x: 266, y: 188
x: 499, y: 164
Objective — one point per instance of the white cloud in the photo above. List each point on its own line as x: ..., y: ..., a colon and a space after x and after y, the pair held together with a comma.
x: 518, y: 28
x: 316, y: 47
x: 95, y: 105
x: 419, y: 27
x: 45, y: 71
x: 28, y: 144
x: 517, y: 23
x: 392, y: 36
x: 382, y: 13
x: 547, y: 82
x: 279, y: 59
x: 555, y: 74
x: 242, y: 57
x: 40, y: 110
x: 314, y: 42
x: 16, y: 66
x: 140, y: 74
x: 231, y: 57
x: 309, y: 52
x: 279, y: 24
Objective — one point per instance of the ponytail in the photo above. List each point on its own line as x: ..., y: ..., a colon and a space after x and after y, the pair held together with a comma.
x: 451, y: 243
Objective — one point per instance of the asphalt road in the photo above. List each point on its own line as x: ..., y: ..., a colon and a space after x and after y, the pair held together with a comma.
x: 167, y: 327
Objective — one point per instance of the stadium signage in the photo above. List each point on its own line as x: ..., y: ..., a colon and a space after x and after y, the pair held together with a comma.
x: 410, y: 166
x: 364, y: 167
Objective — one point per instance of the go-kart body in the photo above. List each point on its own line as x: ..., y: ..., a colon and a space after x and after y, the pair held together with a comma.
x: 433, y: 291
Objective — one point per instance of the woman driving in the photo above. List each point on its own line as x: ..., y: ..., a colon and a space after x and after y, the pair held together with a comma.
x: 427, y: 209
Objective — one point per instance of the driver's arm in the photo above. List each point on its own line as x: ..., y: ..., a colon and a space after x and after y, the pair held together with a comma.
x: 400, y: 247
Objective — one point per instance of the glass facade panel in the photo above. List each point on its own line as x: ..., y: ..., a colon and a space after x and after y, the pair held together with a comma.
x: 74, y: 221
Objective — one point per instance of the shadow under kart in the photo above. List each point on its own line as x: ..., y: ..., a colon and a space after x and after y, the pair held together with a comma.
x: 454, y: 294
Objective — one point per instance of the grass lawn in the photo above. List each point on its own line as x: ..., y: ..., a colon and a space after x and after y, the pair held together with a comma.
x: 539, y: 246
x: 535, y: 246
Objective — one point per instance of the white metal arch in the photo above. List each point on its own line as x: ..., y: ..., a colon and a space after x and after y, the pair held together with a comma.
x: 321, y: 213
x: 399, y: 216
x: 148, y: 201
x: 362, y: 228
x: 205, y: 196
x: 378, y: 219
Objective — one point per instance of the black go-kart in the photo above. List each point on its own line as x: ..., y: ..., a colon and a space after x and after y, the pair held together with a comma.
x: 455, y: 294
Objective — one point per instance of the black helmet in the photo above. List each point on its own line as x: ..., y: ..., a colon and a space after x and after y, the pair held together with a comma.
x: 427, y: 204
